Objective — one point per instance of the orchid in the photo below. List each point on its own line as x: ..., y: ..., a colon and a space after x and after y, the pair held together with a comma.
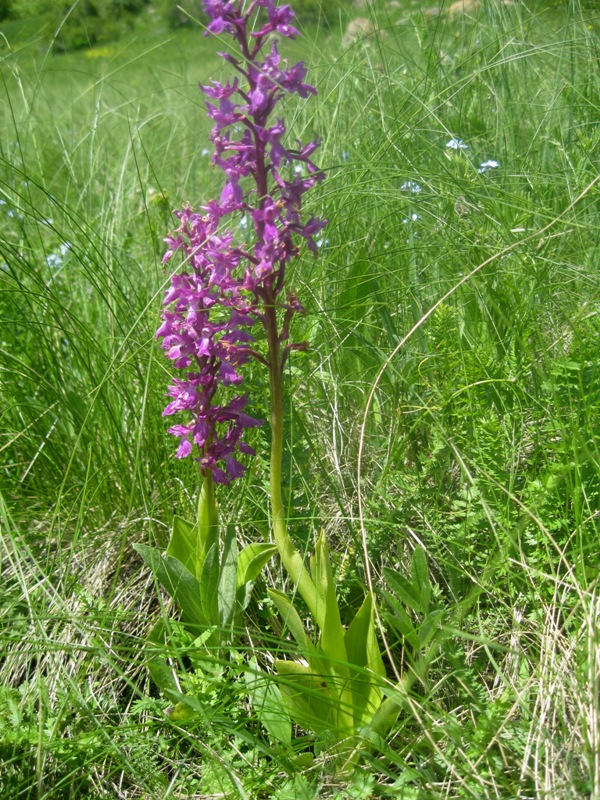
x: 227, y: 287
x: 231, y: 283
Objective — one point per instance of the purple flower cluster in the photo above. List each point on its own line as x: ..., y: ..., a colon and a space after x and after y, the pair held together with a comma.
x: 227, y: 287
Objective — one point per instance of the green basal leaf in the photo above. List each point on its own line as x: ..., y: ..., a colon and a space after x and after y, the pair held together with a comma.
x: 292, y: 621
x: 209, y: 584
x: 366, y: 664
x: 420, y: 578
x: 183, y: 544
x: 228, y: 580
x: 332, y: 640
x: 401, y: 622
x: 429, y: 626
x: 163, y: 676
x: 160, y: 670
x: 179, y: 583
x: 386, y: 715
x: 268, y: 703
x: 251, y: 561
x: 307, y: 697
x: 403, y: 589
x: 332, y: 631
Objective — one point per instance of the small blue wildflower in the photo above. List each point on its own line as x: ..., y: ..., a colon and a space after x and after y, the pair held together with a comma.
x: 54, y: 261
x: 345, y: 155
x: 456, y: 144
x: 413, y: 218
x: 491, y: 164
x: 410, y: 186
x: 205, y: 151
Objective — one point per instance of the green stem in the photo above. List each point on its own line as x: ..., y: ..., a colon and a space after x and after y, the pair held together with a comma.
x: 291, y: 558
x: 208, y: 520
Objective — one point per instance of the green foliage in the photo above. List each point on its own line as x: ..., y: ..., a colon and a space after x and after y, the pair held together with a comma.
x: 478, y: 442
x: 411, y: 615
x: 6, y: 7
x: 321, y: 10
x: 210, y: 584
x: 333, y: 687
x: 93, y: 22
x: 188, y: 12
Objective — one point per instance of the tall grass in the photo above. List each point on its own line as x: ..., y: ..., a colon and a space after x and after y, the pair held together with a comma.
x: 450, y: 400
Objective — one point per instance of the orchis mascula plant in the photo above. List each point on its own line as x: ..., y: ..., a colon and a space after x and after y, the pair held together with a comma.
x: 229, y: 286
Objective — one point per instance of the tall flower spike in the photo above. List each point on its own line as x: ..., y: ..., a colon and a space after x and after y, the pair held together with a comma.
x: 224, y: 287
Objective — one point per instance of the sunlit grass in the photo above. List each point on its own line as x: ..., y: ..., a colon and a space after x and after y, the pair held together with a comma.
x: 449, y: 399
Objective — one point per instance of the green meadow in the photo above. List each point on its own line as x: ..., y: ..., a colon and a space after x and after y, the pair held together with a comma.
x: 448, y: 404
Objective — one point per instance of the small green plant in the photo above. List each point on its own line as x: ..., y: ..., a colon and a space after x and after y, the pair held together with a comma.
x: 210, y: 582
x: 412, y: 614
x: 334, y: 687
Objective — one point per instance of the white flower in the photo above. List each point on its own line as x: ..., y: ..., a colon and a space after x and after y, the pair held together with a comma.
x: 410, y: 186
x: 456, y: 144
x: 413, y: 218
x: 64, y: 248
x: 205, y: 151
x: 491, y: 164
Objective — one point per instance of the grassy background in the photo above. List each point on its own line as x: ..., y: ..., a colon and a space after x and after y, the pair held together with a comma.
x: 450, y: 399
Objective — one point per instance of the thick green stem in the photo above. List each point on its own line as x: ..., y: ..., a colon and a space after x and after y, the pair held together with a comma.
x: 292, y: 559
x: 208, y: 520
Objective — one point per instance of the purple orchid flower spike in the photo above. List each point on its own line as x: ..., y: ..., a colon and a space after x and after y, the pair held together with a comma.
x: 224, y: 288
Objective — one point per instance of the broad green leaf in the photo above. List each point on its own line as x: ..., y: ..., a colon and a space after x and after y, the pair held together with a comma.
x: 179, y: 583
x: 228, y: 579
x: 292, y: 621
x: 209, y: 585
x: 307, y: 696
x: 401, y: 622
x: 186, y: 708
x: 252, y: 559
x: 361, y: 639
x: 332, y: 640
x: 183, y: 544
x: 386, y: 715
x: 160, y: 670
x: 429, y: 626
x: 366, y: 664
x: 182, y: 712
x: 268, y: 703
x: 420, y: 578
x: 403, y: 589
x: 163, y: 676
x: 332, y: 631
